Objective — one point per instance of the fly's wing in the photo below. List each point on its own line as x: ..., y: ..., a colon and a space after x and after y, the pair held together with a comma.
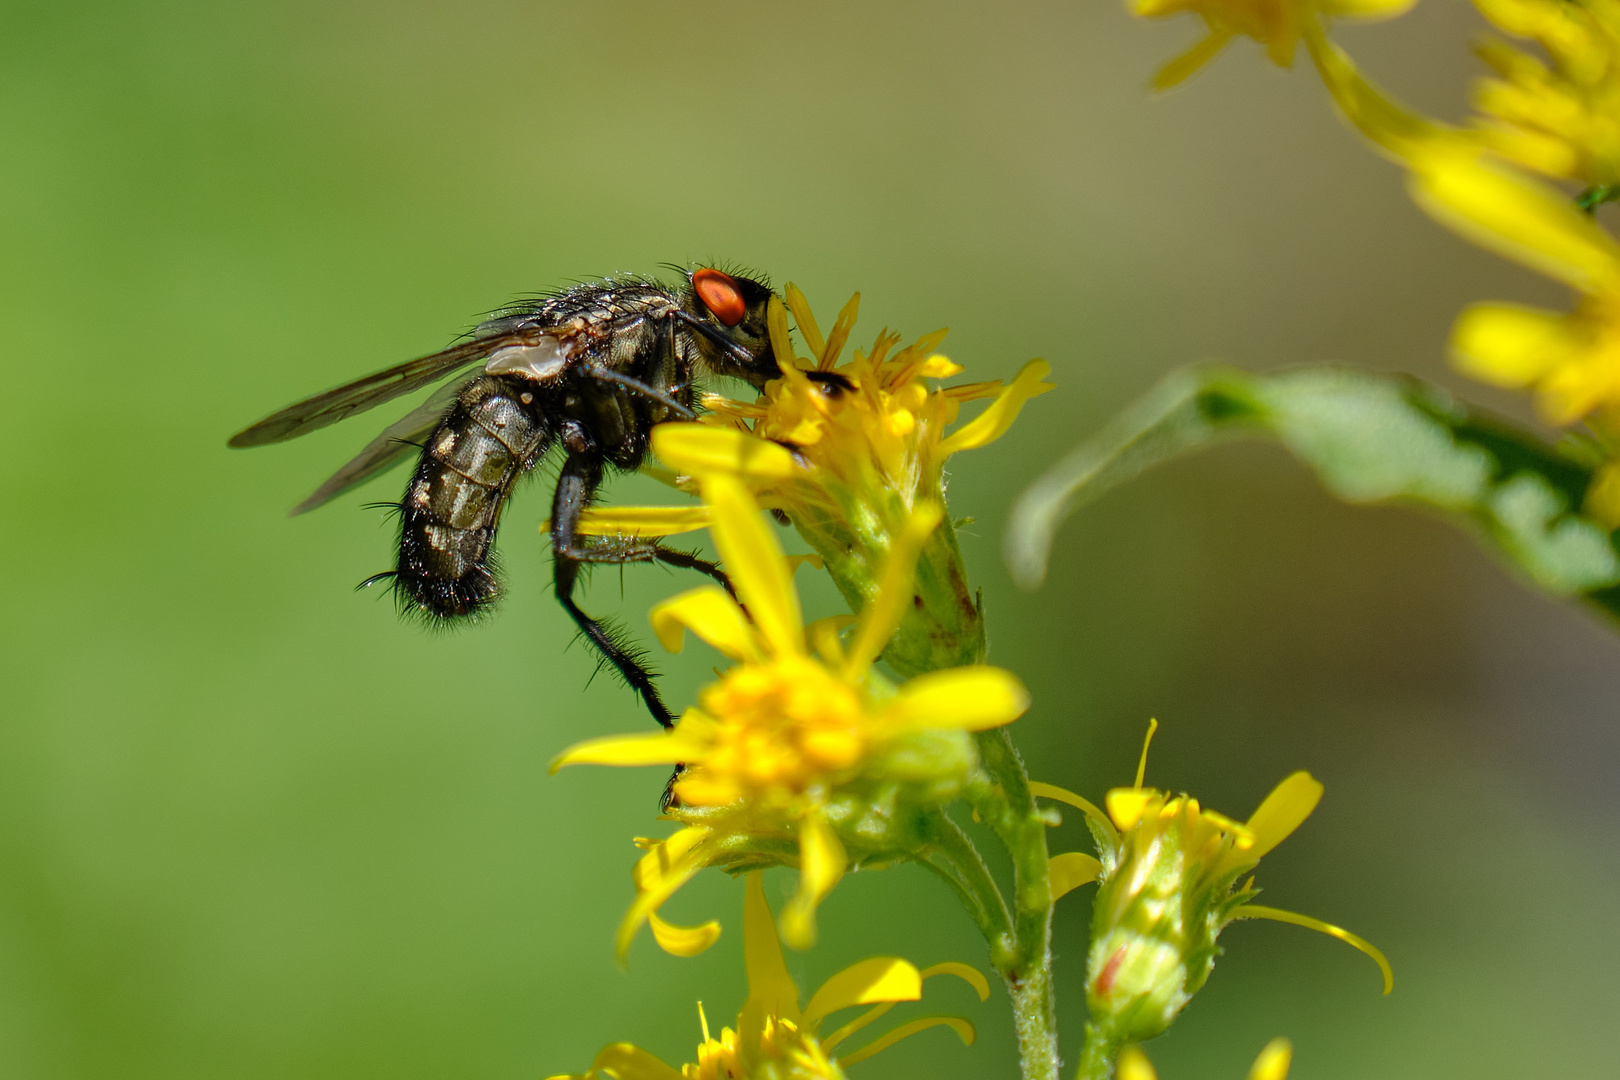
x: 388, y: 449
x: 317, y: 412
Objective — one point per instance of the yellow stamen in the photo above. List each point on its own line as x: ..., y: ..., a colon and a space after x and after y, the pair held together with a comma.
x: 1141, y: 766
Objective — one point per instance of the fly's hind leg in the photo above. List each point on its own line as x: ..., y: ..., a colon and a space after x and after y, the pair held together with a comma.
x: 581, y: 474
x: 686, y: 560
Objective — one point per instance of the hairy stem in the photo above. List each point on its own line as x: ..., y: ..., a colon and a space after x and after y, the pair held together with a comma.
x: 1007, y: 806
x: 1097, y: 1056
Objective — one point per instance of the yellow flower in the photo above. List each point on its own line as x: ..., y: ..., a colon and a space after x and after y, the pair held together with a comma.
x: 1278, y: 25
x: 792, y: 747
x: 776, y: 1039
x: 1272, y: 1064
x: 1168, y: 876
x: 1571, y: 360
x: 1564, y: 119
x: 850, y: 453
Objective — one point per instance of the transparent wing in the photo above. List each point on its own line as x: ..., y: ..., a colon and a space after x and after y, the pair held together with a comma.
x: 396, y: 443
x: 316, y: 412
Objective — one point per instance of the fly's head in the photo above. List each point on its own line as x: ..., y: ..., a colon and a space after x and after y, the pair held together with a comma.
x: 727, y: 316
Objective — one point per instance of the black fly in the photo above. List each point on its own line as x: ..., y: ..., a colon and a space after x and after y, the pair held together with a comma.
x: 591, y: 370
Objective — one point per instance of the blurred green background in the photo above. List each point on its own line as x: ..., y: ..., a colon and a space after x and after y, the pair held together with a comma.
x: 253, y: 826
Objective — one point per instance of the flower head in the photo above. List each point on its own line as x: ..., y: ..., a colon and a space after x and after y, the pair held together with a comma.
x: 776, y: 1038
x: 850, y: 453
x: 1563, y: 118
x: 1278, y: 25
x: 800, y: 751
x: 1168, y: 875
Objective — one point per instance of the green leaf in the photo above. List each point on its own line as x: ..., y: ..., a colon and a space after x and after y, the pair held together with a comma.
x: 1370, y: 439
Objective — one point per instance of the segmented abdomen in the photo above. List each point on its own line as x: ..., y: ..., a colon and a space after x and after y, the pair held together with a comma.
x: 453, y: 504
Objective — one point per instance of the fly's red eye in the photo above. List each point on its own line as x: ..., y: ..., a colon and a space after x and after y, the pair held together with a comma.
x: 720, y: 295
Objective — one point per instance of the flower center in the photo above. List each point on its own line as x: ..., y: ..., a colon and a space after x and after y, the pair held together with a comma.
x: 784, y: 725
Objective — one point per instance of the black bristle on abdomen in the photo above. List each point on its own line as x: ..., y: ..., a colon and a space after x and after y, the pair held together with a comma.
x: 421, y: 584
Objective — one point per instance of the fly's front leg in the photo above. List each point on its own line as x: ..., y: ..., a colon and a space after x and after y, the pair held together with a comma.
x: 641, y: 389
x: 581, y: 474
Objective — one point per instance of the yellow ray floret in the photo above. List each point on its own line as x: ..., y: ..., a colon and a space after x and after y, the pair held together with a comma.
x: 1278, y: 25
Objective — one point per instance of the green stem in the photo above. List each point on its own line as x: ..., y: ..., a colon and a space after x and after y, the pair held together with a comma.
x: 1007, y: 806
x: 1097, y: 1056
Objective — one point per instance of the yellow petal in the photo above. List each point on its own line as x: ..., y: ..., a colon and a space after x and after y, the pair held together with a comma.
x: 840, y: 332
x: 1189, y: 63
x: 1283, y: 811
x: 683, y: 940
x: 781, y: 344
x: 963, y: 1029
x: 628, y: 1062
x: 999, y: 415
x: 830, y: 1042
x: 815, y: 562
x: 711, y: 615
x: 1134, y: 1065
x: 1069, y: 871
x: 1127, y: 805
x: 1390, y: 125
x: 880, y: 978
x: 823, y: 637
x: 882, y: 614
x: 968, y: 974
x: 1367, y: 9
x: 1064, y: 795
x: 822, y: 862
x: 665, y: 857
x: 639, y: 520
x: 658, y: 875
x: 1509, y: 345
x: 971, y: 698
x: 701, y: 449
x: 1273, y: 1062
x: 1255, y: 911
x: 651, y: 748
x: 753, y: 558
x: 807, y: 321
x: 1522, y: 219
x: 938, y: 367
x: 771, y: 990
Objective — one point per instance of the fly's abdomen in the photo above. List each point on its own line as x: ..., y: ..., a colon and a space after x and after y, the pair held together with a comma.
x: 453, y: 504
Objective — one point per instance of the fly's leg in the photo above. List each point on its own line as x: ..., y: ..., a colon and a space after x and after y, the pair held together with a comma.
x: 688, y: 561
x: 581, y: 474
x: 641, y: 389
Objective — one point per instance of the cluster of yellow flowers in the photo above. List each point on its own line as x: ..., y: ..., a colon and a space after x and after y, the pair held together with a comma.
x: 801, y: 754
x: 1543, y: 121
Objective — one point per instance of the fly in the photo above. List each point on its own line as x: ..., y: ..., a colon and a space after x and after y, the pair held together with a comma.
x: 590, y: 370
